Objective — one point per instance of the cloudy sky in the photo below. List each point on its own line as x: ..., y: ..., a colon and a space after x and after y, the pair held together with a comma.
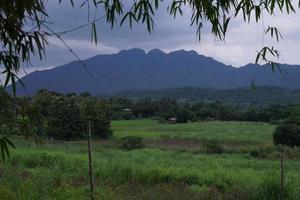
x: 242, y: 42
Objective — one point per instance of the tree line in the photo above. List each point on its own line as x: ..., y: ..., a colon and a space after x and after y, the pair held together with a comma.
x: 58, y: 116
x: 66, y: 116
x: 165, y: 108
x: 243, y: 97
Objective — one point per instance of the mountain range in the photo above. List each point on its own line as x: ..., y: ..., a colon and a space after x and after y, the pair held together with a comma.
x: 134, y: 69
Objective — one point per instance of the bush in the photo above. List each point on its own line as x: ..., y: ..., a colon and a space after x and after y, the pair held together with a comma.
x: 288, y: 133
x: 184, y: 116
x: 213, y: 147
x: 261, y: 152
x: 270, y: 188
x: 131, y: 142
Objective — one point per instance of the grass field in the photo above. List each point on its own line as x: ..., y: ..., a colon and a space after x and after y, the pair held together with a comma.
x: 58, y: 170
x: 235, y: 131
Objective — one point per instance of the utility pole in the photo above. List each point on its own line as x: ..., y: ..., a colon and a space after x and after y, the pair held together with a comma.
x: 90, y: 160
x: 281, y: 195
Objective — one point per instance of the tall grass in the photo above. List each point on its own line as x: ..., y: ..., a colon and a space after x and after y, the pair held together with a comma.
x: 59, y: 170
x: 63, y: 172
x: 230, y: 131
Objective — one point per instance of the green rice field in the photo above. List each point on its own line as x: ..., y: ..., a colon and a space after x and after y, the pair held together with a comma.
x: 166, y: 168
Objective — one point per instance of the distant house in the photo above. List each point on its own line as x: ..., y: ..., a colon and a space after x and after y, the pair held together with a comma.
x: 127, y: 110
x: 172, y: 120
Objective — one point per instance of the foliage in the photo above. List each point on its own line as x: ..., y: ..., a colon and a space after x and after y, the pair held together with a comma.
x: 31, y: 121
x: 97, y: 113
x: 261, y: 152
x: 242, y: 97
x: 17, y: 42
x: 288, y: 132
x: 150, y: 173
x: 140, y: 174
x: 166, y: 108
x: 24, y: 32
x: 270, y: 188
x: 5, y: 142
x: 239, y: 132
x: 184, y: 115
x: 7, y: 122
x: 213, y: 147
x: 6, y: 108
x: 65, y: 121
x: 68, y: 115
x: 131, y: 143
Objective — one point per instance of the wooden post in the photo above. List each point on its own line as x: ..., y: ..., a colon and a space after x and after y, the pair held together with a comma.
x: 90, y: 161
x: 281, y: 195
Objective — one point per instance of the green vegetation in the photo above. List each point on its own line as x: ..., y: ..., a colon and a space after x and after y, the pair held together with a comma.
x: 131, y: 142
x: 59, y: 170
x: 234, y: 131
x: 288, y: 132
x: 55, y: 115
x: 261, y: 95
x: 166, y: 108
x: 67, y: 116
x: 200, y: 158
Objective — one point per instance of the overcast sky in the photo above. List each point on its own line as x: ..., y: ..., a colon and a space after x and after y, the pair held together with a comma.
x: 242, y: 42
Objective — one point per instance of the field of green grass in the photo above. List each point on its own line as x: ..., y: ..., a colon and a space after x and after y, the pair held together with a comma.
x: 235, y: 131
x: 59, y: 170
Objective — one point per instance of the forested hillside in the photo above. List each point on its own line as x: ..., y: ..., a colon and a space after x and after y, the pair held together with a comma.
x: 259, y: 96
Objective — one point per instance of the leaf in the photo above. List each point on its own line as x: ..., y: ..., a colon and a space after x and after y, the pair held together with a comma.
x: 4, y: 144
x: 2, y: 150
x: 94, y: 33
x: 226, y: 25
x: 10, y: 143
x: 8, y: 76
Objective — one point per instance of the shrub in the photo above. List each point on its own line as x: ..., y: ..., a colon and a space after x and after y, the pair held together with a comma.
x: 288, y: 133
x: 213, y: 147
x: 270, y: 188
x: 261, y: 152
x: 184, y: 116
x: 131, y: 142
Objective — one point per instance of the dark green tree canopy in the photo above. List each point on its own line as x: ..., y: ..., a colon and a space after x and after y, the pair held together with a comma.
x: 288, y: 133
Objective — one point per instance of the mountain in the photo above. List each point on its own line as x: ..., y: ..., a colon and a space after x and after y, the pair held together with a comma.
x: 135, y: 69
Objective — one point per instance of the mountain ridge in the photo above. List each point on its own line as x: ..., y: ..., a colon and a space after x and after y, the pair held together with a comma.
x: 134, y: 69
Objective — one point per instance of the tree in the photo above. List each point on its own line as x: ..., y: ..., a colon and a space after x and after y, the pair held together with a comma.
x: 183, y: 115
x: 6, y: 107
x: 6, y: 122
x: 288, y: 133
x: 67, y: 116
x: 31, y: 122
x: 65, y: 121
x: 97, y: 113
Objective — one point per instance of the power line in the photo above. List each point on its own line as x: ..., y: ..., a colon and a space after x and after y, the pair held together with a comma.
x: 70, y: 49
x: 76, y: 28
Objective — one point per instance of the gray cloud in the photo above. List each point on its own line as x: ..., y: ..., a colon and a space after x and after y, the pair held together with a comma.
x: 242, y: 42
